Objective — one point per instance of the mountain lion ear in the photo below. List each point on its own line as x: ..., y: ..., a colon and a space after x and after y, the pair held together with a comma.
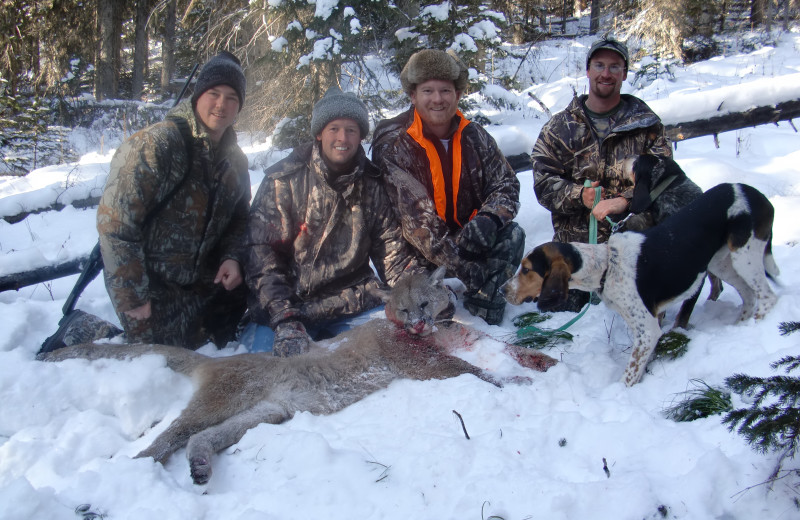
x: 438, y: 274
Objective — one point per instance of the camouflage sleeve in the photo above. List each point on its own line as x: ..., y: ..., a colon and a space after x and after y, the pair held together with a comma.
x: 269, y: 246
x: 501, y: 186
x: 391, y: 255
x: 232, y: 245
x: 415, y: 210
x: 142, y: 170
x: 661, y: 143
x: 553, y: 183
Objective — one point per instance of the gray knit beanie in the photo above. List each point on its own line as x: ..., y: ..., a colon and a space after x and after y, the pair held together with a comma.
x: 222, y: 69
x: 336, y: 104
x: 433, y: 64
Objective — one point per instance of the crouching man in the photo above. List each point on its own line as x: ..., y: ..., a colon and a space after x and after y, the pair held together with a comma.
x: 454, y: 191
x: 318, y: 218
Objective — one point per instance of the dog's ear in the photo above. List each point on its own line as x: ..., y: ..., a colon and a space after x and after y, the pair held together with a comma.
x: 556, y: 284
x: 643, y: 182
x: 671, y: 168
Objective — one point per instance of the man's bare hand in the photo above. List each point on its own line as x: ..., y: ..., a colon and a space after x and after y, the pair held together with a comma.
x: 587, y: 194
x: 607, y: 207
x: 140, y: 313
x: 229, y: 274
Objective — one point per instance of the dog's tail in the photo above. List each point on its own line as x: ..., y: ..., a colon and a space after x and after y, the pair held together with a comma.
x: 178, y: 359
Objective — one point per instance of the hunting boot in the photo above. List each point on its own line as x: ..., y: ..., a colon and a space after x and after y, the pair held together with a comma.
x: 77, y: 327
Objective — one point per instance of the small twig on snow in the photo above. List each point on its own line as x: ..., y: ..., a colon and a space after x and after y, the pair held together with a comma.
x: 462, y: 424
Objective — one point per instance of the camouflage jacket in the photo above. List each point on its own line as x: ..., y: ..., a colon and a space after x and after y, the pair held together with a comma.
x: 568, y: 151
x: 310, y: 243
x: 184, y: 239
x: 488, y: 184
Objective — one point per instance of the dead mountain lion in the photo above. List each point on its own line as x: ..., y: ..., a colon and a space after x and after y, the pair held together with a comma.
x: 236, y: 393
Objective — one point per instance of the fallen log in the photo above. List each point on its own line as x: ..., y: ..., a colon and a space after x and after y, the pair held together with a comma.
x: 17, y: 281
x: 785, y: 111
x: 88, y: 202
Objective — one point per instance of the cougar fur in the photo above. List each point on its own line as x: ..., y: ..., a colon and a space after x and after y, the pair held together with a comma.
x: 233, y: 394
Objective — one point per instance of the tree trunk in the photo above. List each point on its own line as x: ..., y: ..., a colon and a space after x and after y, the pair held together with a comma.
x: 104, y: 63
x: 118, y: 8
x: 168, y: 47
x: 594, y: 24
x: 787, y: 4
x: 769, y: 15
x: 139, y: 49
x: 756, y: 12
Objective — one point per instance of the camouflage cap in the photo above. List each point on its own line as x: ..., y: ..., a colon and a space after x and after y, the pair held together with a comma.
x: 610, y: 44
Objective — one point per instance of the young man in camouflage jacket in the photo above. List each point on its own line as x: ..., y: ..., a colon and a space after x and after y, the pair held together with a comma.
x: 590, y: 139
x: 172, y: 217
x: 318, y: 218
x: 454, y: 191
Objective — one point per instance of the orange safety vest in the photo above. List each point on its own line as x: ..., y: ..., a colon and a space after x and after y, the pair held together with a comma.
x: 437, y: 175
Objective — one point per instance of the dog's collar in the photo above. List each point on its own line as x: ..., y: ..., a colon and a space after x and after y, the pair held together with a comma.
x: 603, y: 280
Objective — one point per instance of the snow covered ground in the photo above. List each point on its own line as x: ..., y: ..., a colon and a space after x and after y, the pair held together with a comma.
x: 68, y: 431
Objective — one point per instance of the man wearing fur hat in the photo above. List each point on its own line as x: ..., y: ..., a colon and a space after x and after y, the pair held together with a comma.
x: 454, y: 191
x: 172, y: 217
x: 318, y: 218
x: 590, y: 139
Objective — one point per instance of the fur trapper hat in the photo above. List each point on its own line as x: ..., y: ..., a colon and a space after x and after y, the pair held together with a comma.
x: 430, y: 64
x: 336, y: 104
x: 222, y: 69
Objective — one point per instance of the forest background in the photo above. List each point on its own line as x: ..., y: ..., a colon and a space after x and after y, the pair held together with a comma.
x: 62, y: 62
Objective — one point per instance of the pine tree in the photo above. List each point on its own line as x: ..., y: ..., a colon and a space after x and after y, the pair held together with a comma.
x: 470, y: 28
x: 772, y: 422
x: 299, y: 49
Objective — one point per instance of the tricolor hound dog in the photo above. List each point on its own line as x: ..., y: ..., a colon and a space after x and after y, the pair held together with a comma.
x: 661, y: 186
x: 726, y: 231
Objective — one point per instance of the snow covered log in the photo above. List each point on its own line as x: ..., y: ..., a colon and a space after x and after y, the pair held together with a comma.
x: 88, y: 202
x: 17, y: 281
x: 785, y: 111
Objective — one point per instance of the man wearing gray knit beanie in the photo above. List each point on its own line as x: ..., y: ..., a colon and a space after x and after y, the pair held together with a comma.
x: 319, y: 217
x: 464, y: 219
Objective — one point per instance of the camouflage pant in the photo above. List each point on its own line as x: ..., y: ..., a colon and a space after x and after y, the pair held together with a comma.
x: 502, y: 262
x: 188, y: 316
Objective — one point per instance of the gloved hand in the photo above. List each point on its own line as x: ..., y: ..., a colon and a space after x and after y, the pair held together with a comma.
x: 291, y: 339
x: 472, y: 274
x: 478, y: 236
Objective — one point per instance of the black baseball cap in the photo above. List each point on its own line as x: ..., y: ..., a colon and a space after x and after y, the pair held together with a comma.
x: 610, y: 44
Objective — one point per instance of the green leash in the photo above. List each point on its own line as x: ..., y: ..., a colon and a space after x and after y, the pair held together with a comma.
x: 531, y: 329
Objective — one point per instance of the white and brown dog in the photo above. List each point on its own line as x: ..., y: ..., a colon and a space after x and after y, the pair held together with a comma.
x: 726, y: 231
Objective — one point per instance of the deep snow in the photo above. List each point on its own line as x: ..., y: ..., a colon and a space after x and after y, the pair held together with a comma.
x: 68, y: 431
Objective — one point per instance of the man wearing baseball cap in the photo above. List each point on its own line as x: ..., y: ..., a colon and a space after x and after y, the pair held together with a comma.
x: 318, y: 219
x: 454, y: 191
x: 589, y: 140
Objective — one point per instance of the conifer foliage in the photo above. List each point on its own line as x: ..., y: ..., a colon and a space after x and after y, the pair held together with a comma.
x: 772, y: 422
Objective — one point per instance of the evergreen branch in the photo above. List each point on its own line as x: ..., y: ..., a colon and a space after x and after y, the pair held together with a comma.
x: 787, y: 327
x: 702, y: 401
